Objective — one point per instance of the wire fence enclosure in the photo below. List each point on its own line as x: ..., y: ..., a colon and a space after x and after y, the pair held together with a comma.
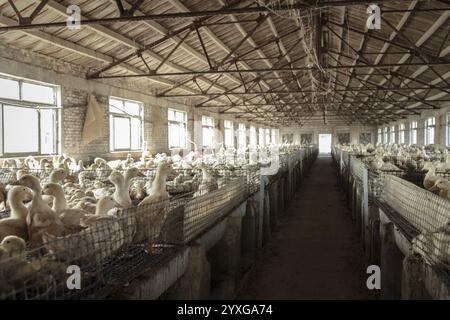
x: 112, y: 249
x: 398, y: 189
x: 425, y: 219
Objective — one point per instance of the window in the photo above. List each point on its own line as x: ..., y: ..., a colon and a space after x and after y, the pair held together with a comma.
x: 267, y: 137
x: 413, y: 132
x: 125, y: 123
x: 242, y: 138
x: 28, y: 117
x: 392, y: 139
x: 253, y: 137
x: 448, y: 129
x: 177, y: 129
x: 274, y: 136
x: 208, y: 132
x: 261, y: 141
x: 430, y: 129
x: 385, y: 135
x: 401, y: 133
x: 229, y: 133
x: 380, y: 136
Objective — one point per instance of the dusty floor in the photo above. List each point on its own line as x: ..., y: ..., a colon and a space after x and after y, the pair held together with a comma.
x: 315, y: 253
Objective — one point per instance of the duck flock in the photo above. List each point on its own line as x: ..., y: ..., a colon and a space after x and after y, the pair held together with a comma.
x: 430, y: 162
x: 57, y: 211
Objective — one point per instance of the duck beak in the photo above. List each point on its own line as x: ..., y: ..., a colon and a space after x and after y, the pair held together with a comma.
x: 15, y: 183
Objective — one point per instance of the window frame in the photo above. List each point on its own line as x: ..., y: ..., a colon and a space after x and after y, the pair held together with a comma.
x: 380, y: 135
x: 392, y: 138
x: 125, y: 115
x: 413, y: 130
x: 401, y: 133
x: 448, y: 129
x: 386, y: 135
x: 253, y: 137
x: 267, y: 137
x: 242, y: 136
x: 428, y: 128
x: 261, y: 134
x: 32, y: 105
x: 228, y: 130
x: 210, y: 127
x: 177, y: 122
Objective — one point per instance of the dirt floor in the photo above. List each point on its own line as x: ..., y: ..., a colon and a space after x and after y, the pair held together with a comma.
x: 315, y: 253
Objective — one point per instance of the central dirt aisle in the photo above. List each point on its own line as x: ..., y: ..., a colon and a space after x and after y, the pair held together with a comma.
x: 315, y: 253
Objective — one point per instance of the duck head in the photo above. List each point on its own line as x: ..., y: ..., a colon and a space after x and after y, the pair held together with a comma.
x: 20, y: 193
x: 58, y: 175
x: 53, y: 189
x: 105, y: 204
x: 116, y: 177
x: 29, y: 181
x: 165, y: 168
x: 13, y: 246
x: 441, y: 184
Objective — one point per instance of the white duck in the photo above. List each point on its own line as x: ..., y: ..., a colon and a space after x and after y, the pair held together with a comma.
x: 102, y: 237
x: 122, y: 184
x: 16, y: 224
x: 158, y: 192
x: 208, y: 182
x: 41, y: 217
x: 430, y: 178
x: 150, y: 222
x: 70, y: 217
x: 57, y: 175
x: 443, y: 187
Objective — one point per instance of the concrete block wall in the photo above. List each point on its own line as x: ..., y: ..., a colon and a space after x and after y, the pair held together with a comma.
x: 74, y: 91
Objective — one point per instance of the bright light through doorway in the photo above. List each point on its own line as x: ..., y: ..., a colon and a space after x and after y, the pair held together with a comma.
x: 325, y: 143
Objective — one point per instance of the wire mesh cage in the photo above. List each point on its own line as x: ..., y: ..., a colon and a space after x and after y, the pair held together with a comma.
x: 356, y: 168
x: 202, y: 212
x: 107, y: 250
x: 426, y: 220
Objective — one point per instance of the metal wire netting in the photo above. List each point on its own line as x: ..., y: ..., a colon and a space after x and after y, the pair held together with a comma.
x: 203, y: 212
x: 103, y: 245
x: 427, y: 213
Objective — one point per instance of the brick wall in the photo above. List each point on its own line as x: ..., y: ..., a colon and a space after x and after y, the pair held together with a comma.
x: 74, y: 91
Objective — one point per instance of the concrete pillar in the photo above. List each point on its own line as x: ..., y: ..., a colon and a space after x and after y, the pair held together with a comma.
x: 225, y: 261
x: 412, y: 278
x: 391, y: 263
x: 373, y: 246
x: 196, y: 280
x: 274, y: 204
x: 249, y: 235
x: 267, y: 234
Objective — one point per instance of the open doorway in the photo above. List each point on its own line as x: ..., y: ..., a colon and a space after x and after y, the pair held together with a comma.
x: 325, y: 143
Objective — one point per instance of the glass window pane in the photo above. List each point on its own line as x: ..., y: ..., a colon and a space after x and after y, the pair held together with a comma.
x: 9, y: 89
x: 132, y: 108
x: 121, y: 133
x: 38, y: 93
x: 136, y: 133
x: 27, y: 138
x: 116, y: 106
x: 179, y: 116
x: 48, y: 133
